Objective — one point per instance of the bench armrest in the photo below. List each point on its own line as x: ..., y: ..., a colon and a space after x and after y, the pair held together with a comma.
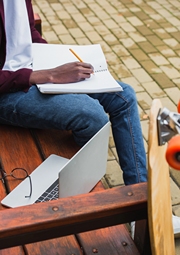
x: 72, y: 215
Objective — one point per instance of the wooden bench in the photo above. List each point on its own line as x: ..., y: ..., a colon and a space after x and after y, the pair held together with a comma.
x: 66, y: 218
x: 90, y: 223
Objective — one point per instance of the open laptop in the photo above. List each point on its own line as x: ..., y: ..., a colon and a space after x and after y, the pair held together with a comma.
x: 74, y: 176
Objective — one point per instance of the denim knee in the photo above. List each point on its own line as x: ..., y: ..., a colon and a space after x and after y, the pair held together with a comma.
x: 90, y: 122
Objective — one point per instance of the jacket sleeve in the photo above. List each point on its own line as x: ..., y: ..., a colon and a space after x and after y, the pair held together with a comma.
x: 13, y: 81
x: 19, y: 80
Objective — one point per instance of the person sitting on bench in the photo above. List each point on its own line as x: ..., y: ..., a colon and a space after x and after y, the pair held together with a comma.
x: 21, y: 103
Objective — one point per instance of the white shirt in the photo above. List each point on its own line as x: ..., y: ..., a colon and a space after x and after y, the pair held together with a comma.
x: 18, y: 35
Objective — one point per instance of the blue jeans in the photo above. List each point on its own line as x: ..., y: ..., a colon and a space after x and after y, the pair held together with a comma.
x: 84, y: 115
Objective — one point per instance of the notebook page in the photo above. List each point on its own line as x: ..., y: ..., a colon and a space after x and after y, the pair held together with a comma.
x: 47, y: 56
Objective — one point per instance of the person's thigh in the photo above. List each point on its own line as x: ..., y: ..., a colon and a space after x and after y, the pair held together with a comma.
x: 77, y: 112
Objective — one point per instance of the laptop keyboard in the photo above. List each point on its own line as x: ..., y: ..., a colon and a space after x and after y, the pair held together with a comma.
x: 52, y: 193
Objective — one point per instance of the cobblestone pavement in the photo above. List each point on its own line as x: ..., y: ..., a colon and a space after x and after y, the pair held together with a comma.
x: 141, y: 41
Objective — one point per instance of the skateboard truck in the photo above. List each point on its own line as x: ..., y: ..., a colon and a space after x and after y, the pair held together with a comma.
x: 168, y: 125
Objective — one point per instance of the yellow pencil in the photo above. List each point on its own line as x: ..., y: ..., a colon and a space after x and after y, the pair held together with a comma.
x: 76, y: 55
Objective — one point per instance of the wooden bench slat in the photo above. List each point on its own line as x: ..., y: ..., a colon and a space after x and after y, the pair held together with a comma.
x: 14, y: 250
x: 113, y: 240
x: 18, y: 149
x: 59, y: 246
x: 56, y: 142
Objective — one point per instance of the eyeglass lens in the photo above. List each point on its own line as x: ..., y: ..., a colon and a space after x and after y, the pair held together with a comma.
x: 18, y: 174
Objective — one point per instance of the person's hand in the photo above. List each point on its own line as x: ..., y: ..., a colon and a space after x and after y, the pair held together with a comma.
x: 67, y: 73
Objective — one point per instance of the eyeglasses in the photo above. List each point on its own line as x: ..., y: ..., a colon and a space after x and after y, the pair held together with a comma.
x: 18, y: 174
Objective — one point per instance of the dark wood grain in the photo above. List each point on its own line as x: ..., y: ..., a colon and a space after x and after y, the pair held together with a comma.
x: 62, y: 220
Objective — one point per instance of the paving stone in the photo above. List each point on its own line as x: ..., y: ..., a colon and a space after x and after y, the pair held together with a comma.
x: 153, y: 89
x: 85, y: 26
x: 158, y: 18
x: 111, y: 58
x: 166, y: 51
x: 102, y: 29
x: 175, y: 193
x: 163, y: 80
x: 109, y: 8
x: 63, y: 14
x: 115, y: 153
x: 113, y: 174
x: 76, y: 32
x: 154, y: 40
x: 127, y: 27
x: 150, y: 67
x: 118, y: 33
x: 69, y: 23
x: 60, y: 29
x: 164, y: 13
x: 177, y: 82
x: 150, y: 23
x: 104, y: 16
x: 134, y: 83
x: 105, y: 46
x: 170, y: 71
x: 130, y: 62
x: 145, y: 128
x: 144, y: 30
x: 110, y: 39
x: 118, y: 18
x: 175, y: 61
x: 83, y: 41
x: 120, y: 50
x: 137, y: 37
x: 78, y: 17
x: 174, y: 21
x: 147, y: 47
x: 128, y: 43
x: 109, y: 23
x: 135, y: 21
x: 144, y: 100
x: 141, y: 15
x: 50, y: 36
x: 138, y: 54
x: 154, y: 5
x: 93, y: 36
x: 171, y: 29
x: 174, y: 94
x: 67, y: 39
x: 94, y: 20
x: 172, y: 43
x: 110, y: 154
x: 168, y: 103
x: 87, y: 12
x: 176, y: 35
x: 120, y: 70
x: 158, y: 59
x: 141, y: 75
x: 160, y: 32
x: 148, y: 10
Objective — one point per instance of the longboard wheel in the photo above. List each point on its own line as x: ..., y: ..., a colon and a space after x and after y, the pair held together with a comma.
x: 178, y: 107
x: 173, y: 152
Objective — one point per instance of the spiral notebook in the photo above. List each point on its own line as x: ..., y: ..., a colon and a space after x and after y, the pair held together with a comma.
x: 47, y: 56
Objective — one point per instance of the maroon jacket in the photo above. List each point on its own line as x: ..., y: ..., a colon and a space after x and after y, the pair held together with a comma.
x: 18, y: 80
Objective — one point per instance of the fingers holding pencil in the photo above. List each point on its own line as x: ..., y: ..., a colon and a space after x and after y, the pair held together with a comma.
x: 76, y: 55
